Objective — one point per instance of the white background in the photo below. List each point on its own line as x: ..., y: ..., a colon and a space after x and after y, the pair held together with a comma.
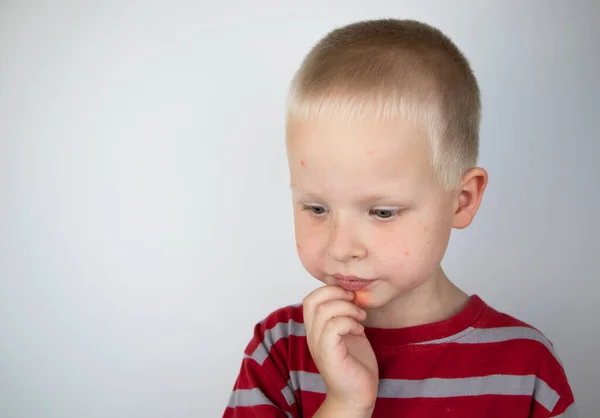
x: 145, y: 221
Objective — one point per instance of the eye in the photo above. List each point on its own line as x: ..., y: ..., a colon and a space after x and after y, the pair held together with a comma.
x: 314, y: 209
x: 384, y: 213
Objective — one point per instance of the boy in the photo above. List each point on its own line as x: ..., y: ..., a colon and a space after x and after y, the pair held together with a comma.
x: 382, y: 137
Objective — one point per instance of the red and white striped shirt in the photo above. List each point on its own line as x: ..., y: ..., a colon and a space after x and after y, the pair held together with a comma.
x: 478, y: 363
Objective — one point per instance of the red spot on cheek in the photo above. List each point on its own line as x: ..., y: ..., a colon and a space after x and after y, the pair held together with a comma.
x: 298, y: 246
x: 406, y: 253
x: 302, y: 163
x: 370, y: 152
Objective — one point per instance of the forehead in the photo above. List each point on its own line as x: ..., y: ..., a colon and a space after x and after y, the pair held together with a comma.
x: 360, y: 155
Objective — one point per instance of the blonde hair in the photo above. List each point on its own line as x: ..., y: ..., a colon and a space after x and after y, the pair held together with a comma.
x: 395, y: 69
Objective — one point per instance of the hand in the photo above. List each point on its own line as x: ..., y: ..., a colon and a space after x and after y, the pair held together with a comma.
x: 340, y: 349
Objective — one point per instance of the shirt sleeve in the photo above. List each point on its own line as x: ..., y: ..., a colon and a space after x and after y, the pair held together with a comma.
x: 261, y: 388
x: 554, y: 397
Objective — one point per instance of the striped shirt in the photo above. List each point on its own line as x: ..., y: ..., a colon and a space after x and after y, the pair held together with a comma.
x: 478, y: 363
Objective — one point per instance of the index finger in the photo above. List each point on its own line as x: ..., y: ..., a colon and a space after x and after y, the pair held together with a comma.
x: 320, y: 295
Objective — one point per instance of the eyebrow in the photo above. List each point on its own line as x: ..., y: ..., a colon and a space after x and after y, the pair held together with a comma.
x: 374, y: 198
x: 368, y: 199
x: 297, y: 190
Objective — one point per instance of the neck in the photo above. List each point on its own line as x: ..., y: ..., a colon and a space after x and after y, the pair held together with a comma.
x: 435, y: 300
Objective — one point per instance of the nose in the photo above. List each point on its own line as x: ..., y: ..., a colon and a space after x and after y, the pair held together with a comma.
x: 344, y: 243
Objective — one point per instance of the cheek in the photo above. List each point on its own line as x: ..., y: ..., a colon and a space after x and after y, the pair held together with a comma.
x: 306, y: 230
x: 309, y: 242
x: 391, y: 247
x: 410, y: 248
x: 428, y: 248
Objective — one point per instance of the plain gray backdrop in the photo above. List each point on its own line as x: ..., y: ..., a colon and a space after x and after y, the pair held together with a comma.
x: 145, y: 216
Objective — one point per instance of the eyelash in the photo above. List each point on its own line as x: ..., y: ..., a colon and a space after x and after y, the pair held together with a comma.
x: 310, y: 208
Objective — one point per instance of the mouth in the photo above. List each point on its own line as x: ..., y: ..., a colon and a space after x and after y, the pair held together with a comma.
x: 352, y: 282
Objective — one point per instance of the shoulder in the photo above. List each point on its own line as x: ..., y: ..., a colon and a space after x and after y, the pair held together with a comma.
x: 277, y: 331
x: 285, y: 314
x: 263, y: 385
x: 282, y: 323
x: 511, y: 347
x: 494, y: 326
x: 527, y: 352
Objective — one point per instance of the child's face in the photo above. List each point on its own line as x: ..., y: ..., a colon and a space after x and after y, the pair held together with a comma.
x: 367, y: 204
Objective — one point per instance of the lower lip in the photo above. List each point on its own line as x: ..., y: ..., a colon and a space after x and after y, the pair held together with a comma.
x: 354, y: 284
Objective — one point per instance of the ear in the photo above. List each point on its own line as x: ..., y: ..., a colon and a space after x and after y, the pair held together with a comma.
x: 469, y: 197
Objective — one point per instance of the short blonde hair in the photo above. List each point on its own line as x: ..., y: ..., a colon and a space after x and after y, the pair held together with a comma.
x: 392, y: 68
